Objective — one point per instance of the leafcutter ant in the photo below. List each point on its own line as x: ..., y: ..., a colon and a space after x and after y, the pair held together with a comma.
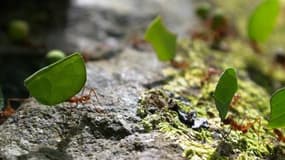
x: 209, y: 74
x: 235, y: 99
x: 239, y: 127
x: 9, y: 110
x: 179, y: 64
x: 279, y: 134
x: 255, y: 47
x: 83, y: 99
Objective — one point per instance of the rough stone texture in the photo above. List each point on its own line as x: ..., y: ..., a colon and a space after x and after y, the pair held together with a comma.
x: 91, y: 131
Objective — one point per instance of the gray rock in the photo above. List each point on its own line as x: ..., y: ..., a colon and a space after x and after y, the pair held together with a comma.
x: 92, y: 131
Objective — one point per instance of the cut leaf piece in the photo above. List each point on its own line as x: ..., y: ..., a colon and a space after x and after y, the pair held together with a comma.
x: 161, y: 39
x: 263, y: 20
x: 225, y: 90
x: 277, y: 104
x: 59, y: 81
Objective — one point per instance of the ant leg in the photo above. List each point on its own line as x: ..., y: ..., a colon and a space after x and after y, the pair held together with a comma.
x: 82, y: 91
x: 258, y: 131
x: 226, y: 135
x: 9, y: 110
x: 95, y: 93
x: 16, y: 99
x: 96, y: 108
x: 9, y: 100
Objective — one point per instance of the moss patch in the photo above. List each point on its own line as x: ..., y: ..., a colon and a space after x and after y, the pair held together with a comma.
x: 192, y: 89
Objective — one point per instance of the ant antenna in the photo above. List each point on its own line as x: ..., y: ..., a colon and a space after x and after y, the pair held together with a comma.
x: 9, y: 100
x: 95, y: 93
x: 82, y: 91
x: 229, y: 132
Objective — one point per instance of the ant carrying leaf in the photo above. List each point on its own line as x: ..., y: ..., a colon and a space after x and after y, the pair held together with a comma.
x: 59, y: 81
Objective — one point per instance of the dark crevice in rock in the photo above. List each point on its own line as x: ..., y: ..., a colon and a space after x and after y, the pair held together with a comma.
x: 106, y: 56
x: 106, y: 128
x: 77, y: 129
x: 158, y: 82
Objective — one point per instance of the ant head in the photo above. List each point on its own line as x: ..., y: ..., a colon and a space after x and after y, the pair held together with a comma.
x: 85, y: 98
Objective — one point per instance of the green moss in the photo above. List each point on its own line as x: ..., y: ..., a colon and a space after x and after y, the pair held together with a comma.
x: 190, y: 84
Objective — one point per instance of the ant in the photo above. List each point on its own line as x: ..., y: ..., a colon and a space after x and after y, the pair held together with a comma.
x: 84, y: 98
x: 9, y: 110
x: 255, y: 47
x: 210, y: 73
x: 179, y: 64
x: 235, y: 99
x: 137, y: 42
x: 280, y: 136
x: 279, y: 57
x: 240, y: 127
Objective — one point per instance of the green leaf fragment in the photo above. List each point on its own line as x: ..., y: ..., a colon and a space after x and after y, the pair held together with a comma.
x: 263, y: 19
x: 225, y: 90
x: 277, y: 104
x: 59, y: 81
x: 162, y: 40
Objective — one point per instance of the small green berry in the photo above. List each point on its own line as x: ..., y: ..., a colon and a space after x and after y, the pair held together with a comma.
x: 18, y: 30
x: 54, y: 55
x: 203, y: 10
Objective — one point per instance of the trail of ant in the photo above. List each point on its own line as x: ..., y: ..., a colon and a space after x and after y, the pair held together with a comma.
x: 83, y: 99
